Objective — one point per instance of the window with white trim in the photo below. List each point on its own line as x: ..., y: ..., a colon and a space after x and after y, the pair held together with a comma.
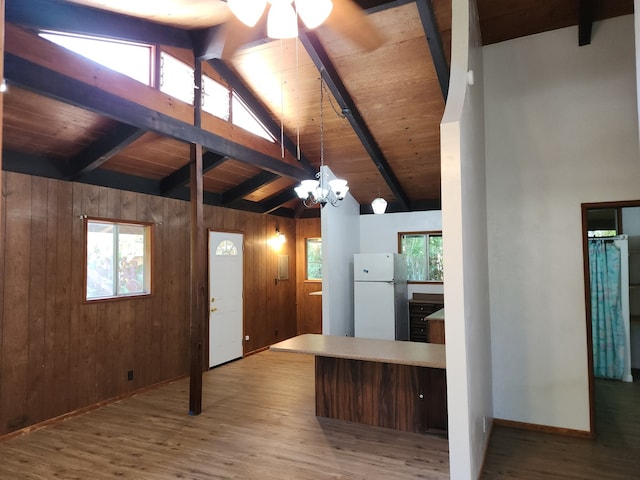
x: 118, y: 259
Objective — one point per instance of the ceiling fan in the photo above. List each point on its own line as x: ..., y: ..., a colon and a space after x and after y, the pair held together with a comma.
x: 344, y: 17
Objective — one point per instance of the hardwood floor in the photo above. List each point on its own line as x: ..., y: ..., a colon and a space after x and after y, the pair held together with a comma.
x: 613, y: 455
x: 258, y: 422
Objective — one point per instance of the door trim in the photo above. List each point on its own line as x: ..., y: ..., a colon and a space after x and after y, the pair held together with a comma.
x: 587, y: 296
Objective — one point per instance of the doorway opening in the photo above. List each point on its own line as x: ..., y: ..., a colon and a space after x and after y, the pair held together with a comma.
x: 617, y: 226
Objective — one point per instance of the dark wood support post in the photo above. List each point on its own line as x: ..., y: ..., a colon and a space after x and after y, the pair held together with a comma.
x: 198, y: 264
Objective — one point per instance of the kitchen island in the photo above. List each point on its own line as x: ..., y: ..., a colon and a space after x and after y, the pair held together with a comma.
x: 384, y: 383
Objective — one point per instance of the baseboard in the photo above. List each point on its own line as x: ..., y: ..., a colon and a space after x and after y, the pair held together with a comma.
x: 568, y: 432
x: 83, y: 410
x: 253, y: 352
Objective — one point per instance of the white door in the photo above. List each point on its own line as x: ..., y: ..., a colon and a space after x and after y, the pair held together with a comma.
x: 225, y: 297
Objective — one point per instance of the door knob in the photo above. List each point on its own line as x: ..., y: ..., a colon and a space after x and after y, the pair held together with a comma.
x: 213, y: 309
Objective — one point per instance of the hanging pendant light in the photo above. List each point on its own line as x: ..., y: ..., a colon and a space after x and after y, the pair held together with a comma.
x: 379, y: 205
x: 322, y: 190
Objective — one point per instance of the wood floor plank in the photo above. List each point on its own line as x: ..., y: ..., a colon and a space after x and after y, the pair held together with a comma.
x: 613, y: 455
x: 258, y: 422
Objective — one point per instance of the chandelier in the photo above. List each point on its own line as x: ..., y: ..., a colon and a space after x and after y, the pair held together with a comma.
x: 282, y: 19
x: 321, y: 190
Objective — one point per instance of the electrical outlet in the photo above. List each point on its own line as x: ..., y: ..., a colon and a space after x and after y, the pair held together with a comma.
x: 130, y: 375
x: 246, y: 338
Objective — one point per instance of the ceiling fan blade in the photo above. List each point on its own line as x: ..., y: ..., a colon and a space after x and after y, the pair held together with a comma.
x: 350, y: 21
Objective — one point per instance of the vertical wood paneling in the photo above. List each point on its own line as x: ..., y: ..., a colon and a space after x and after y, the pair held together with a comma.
x: 155, y: 342
x: 58, y: 353
x: 62, y: 342
x: 14, y: 373
x: 51, y: 244
x: 37, y: 297
x: 127, y: 330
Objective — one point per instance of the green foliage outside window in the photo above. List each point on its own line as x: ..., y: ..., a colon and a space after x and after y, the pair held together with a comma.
x: 118, y: 259
x: 423, y: 251
x: 314, y: 259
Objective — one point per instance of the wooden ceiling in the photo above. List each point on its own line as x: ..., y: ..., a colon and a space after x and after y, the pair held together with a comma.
x: 381, y: 108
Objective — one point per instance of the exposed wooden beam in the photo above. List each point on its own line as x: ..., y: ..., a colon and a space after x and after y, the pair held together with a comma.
x: 275, y: 202
x: 50, y: 83
x: 248, y: 186
x: 434, y: 39
x: 256, y: 106
x: 416, y: 206
x: 322, y: 61
x: 44, y: 167
x: 585, y: 21
x: 102, y: 150
x: 222, y: 41
x: 198, y: 282
x: 198, y: 251
x: 180, y: 177
x: 73, y: 18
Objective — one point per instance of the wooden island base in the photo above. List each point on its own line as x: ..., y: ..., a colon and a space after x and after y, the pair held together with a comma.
x: 383, y: 383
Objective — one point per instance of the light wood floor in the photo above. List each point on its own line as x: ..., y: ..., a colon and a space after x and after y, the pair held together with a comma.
x: 258, y: 422
x: 613, y: 455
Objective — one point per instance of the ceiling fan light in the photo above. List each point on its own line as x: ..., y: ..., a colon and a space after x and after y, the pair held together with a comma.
x: 379, y: 205
x: 314, y: 12
x: 247, y: 11
x: 282, y: 21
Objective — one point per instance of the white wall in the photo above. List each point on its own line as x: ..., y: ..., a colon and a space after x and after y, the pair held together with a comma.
x: 466, y: 294
x: 340, y: 241
x: 561, y: 129
x: 379, y: 234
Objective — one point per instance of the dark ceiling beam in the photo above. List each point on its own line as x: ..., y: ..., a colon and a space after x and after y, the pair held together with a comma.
x: 219, y: 42
x: 102, y: 150
x: 585, y: 21
x: 257, y: 107
x: 180, y: 177
x: 274, y: 202
x: 45, y: 167
x: 248, y: 186
x: 373, y: 6
x: 434, y: 39
x: 73, y: 18
x: 52, y: 84
x: 322, y: 61
x: 394, y: 207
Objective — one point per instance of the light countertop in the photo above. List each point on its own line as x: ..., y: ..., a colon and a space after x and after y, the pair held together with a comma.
x: 385, y: 351
x: 437, y: 315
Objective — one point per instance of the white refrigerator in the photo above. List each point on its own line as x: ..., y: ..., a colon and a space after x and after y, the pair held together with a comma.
x: 380, y: 296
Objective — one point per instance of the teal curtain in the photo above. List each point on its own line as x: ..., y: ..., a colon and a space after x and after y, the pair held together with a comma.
x: 606, y: 309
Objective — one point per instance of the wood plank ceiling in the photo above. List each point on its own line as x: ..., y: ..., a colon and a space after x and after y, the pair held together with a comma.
x: 381, y: 108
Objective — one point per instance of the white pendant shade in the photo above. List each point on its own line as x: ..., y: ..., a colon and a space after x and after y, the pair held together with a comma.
x: 247, y: 11
x: 314, y: 12
x: 379, y: 205
x: 339, y: 187
x: 282, y: 21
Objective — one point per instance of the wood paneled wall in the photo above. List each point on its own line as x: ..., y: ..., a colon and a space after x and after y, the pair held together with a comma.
x: 58, y: 354
x: 309, y: 309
